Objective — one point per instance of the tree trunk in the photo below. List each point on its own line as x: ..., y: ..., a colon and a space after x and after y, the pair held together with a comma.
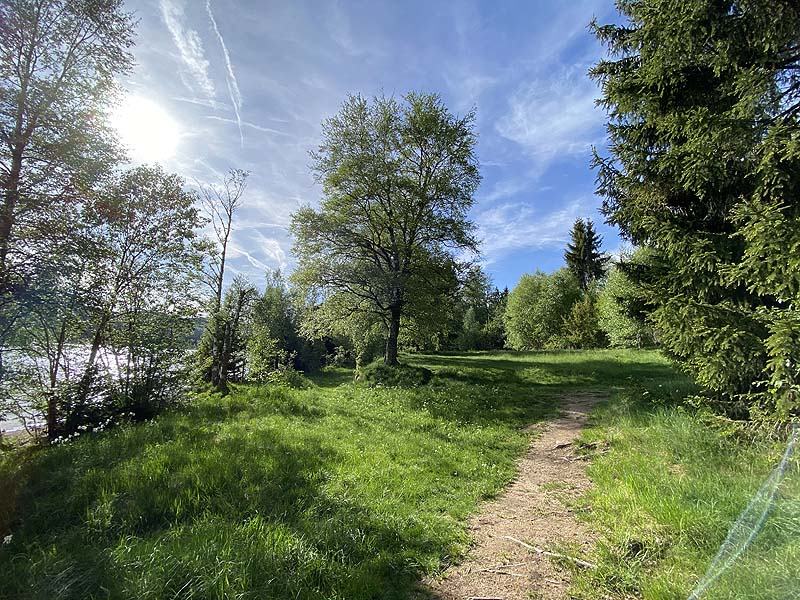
x: 52, y: 392
x: 7, y: 213
x: 390, y: 358
x: 224, y: 360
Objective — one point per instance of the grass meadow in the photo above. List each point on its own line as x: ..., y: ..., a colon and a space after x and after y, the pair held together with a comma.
x: 340, y: 491
x: 669, y: 484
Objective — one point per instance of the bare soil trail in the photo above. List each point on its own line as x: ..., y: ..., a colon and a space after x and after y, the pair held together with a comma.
x: 533, y: 510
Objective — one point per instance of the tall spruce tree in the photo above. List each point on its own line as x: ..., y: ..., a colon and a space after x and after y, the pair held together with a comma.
x: 583, y: 256
x: 703, y: 99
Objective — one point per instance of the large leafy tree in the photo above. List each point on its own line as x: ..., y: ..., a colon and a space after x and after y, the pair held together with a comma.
x: 58, y: 60
x: 583, y: 255
x: 703, y: 100
x: 399, y: 178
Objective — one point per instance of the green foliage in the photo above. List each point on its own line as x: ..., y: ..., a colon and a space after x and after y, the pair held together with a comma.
x: 620, y: 308
x: 583, y: 255
x: 399, y: 179
x: 58, y: 73
x: 403, y: 376
x: 469, y: 317
x: 469, y: 338
x: 704, y: 104
x: 222, y: 352
x: 285, y: 376
x: 537, y: 307
x: 108, y: 330
x: 273, y: 338
x: 582, y: 324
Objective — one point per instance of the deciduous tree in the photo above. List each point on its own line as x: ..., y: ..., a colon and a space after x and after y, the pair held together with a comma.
x: 399, y: 179
x: 537, y: 307
x: 58, y: 61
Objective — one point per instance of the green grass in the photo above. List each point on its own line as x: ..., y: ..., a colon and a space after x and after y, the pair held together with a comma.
x: 338, y: 491
x: 344, y: 491
x: 666, y: 493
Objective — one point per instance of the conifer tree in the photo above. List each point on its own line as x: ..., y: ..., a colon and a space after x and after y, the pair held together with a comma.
x: 583, y: 255
x: 704, y: 169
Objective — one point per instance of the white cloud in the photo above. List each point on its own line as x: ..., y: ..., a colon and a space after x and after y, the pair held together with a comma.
x: 203, y: 102
x: 248, y: 124
x: 233, y: 84
x: 506, y: 188
x: 552, y: 117
x: 338, y: 28
x: 189, y: 45
x: 516, y: 226
x: 468, y: 86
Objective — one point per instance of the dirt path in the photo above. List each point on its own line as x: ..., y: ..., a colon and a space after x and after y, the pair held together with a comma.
x: 532, y: 509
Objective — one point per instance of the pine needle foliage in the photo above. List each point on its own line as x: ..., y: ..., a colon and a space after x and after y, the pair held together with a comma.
x: 703, y: 102
x: 583, y: 255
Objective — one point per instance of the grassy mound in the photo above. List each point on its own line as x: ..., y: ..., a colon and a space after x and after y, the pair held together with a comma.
x: 379, y: 374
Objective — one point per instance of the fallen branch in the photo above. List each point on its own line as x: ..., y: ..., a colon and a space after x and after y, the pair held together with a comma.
x: 583, y: 563
x: 561, y: 445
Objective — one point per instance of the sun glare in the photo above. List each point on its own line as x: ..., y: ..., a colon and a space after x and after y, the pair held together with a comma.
x: 146, y: 129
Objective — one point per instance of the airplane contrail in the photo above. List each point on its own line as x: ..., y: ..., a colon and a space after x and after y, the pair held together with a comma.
x: 233, y: 85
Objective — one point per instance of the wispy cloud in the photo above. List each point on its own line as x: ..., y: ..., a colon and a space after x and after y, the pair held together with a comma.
x: 242, y: 123
x: 236, y: 250
x: 203, y: 102
x: 549, y: 117
x: 517, y: 226
x: 189, y: 45
x: 233, y: 84
x: 338, y: 27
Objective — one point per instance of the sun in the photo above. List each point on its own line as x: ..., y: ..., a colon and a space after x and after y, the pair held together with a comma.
x: 148, y: 132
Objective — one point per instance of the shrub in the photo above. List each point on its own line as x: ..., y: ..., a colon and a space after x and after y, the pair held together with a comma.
x: 582, y: 324
x: 620, y: 307
x: 404, y: 376
x: 340, y: 357
x: 286, y: 376
x: 537, y: 307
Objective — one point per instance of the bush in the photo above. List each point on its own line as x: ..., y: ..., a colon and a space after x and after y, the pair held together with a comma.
x: 622, y: 310
x: 537, y: 307
x: 379, y: 374
x: 285, y: 376
x: 340, y: 357
x: 582, y: 324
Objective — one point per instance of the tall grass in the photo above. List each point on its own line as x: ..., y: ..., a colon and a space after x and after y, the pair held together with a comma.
x: 337, y: 491
x: 342, y: 491
x: 668, y: 490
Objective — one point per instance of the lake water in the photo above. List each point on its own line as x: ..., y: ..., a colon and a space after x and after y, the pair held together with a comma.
x: 75, y: 356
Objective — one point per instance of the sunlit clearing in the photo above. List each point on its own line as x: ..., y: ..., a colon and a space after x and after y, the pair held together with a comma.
x: 145, y: 129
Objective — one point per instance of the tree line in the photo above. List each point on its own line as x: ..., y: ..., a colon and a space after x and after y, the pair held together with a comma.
x: 106, y: 282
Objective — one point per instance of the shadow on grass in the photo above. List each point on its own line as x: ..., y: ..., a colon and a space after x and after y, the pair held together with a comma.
x: 562, y: 369
x: 218, y: 512
x: 331, y: 377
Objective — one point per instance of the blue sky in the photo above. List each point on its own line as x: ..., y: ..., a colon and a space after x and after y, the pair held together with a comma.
x: 249, y: 82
